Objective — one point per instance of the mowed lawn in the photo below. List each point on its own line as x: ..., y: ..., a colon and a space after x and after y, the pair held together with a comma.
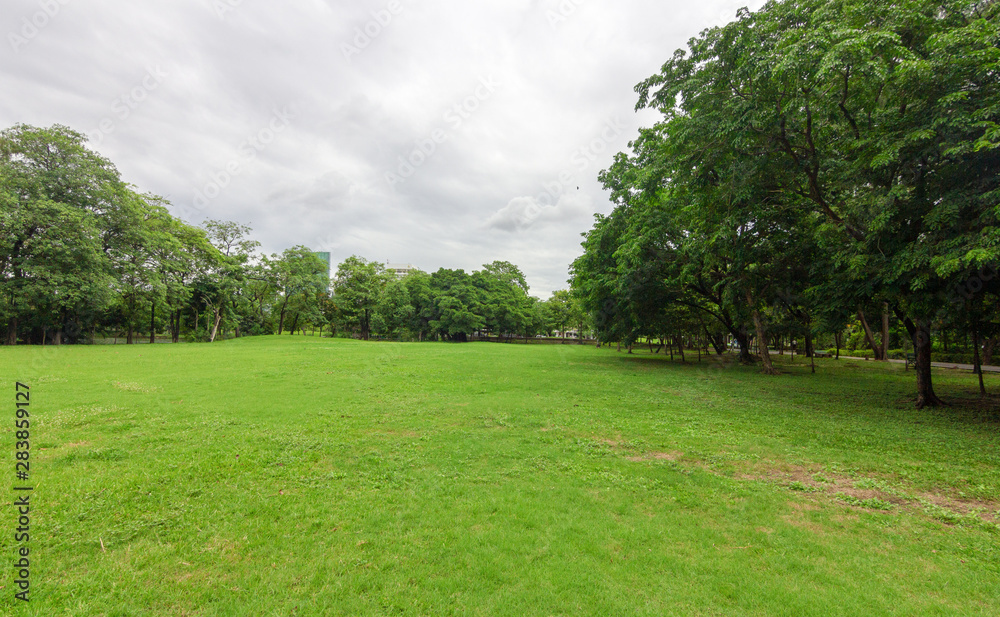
x: 309, y: 476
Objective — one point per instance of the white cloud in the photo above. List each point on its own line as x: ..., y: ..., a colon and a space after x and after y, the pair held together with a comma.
x: 522, y: 213
x: 515, y: 180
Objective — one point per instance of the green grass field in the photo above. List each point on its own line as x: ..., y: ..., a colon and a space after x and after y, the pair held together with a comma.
x: 308, y: 476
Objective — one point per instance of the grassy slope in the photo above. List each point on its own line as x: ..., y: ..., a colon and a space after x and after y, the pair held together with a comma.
x: 314, y: 477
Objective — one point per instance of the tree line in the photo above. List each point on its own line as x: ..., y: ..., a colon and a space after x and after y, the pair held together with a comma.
x: 448, y: 304
x: 818, y: 163
x: 84, y: 255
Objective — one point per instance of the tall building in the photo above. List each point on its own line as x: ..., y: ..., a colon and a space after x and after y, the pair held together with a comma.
x: 400, y: 270
x: 325, y: 256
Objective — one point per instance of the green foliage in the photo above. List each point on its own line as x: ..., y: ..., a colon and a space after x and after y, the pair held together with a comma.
x: 357, y: 288
x: 79, y: 243
x: 814, y: 158
x: 394, y: 312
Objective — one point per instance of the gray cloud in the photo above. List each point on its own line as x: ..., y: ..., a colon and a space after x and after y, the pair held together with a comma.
x: 498, y: 113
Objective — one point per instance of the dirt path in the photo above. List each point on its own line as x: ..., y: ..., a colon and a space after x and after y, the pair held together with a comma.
x: 951, y: 365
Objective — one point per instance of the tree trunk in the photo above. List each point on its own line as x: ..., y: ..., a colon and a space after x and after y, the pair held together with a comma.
x: 680, y: 348
x: 758, y: 323
x: 215, y: 326
x: 152, y: 323
x: 920, y: 334
x: 175, y: 327
x: 765, y: 355
x: 836, y: 340
x: 977, y: 365
x: 876, y: 349
x: 131, y: 331
x: 718, y: 342
x: 12, y: 331
x: 885, y: 331
x: 988, y: 350
x: 743, y: 339
x: 295, y: 324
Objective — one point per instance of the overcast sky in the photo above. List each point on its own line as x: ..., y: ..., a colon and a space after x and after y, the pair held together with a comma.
x: 442, y: 134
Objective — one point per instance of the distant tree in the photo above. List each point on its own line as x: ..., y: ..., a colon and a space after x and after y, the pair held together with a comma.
x: 507, y: 273
x: 421, y: 298
x: 503, y: 302
x: 358, y: 288
x: 394, y: 312
x: 563, y: 311
x: 458, y: 308
x: 302, y: 279
x: 225, y: 269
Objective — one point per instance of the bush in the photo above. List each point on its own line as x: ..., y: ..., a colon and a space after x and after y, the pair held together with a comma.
x: 862, y: 353
x: 856, y: 341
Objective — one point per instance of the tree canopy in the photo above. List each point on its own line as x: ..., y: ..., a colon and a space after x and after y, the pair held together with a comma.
x: 814, y: 158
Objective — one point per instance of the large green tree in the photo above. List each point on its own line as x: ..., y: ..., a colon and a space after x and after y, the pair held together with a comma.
x: 303, y: 279
x: 868, y: 128
x: 358, y: 287
x: 69, y: 224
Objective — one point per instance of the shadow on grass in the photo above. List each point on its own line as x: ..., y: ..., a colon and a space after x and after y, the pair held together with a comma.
x: 965, y: 405
x: 869, y: 389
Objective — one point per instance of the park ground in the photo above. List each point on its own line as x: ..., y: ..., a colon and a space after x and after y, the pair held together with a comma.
x: 309, y: 476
